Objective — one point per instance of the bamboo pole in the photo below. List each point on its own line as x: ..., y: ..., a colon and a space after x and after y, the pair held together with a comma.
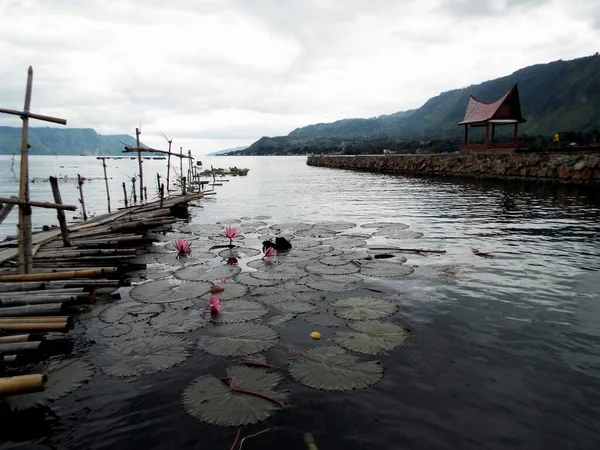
x: 47, y: 205
x: 20, y: 338
x: 133, y: 188
x: 169, y: 166
x: 20, y: 287
x: 26, y: 310
x: 77, y: 299
x: 20, y: 347
x: 180, y: 163
x: 25, y: 259
x: 183, y: 185
x: 28, y: 327
x: 106, y: 182
x: 145, y: 194
x: 6, y: 209
x: 38, y: 319
x: 162, y: 194
x: 137, y: 140
x: 60, y: 214
x: 64, y: 275
x: 158, y: 183
x: 80, y: 183
x: 22, y: 384
x: 125, y: 194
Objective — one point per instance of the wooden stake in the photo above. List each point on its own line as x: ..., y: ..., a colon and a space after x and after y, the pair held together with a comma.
x: 183, y: 185
x: 181, y: 163
x: 162, y: 194
x: 137, y: 140
x: 47, y: 205
x: 6, y: 209
x: 25, y: 258
x: 60, y: 214
x: 169, y: 166
x: 145, y: 194
x: 158, y: 183
x: 80, y: 183
x: 106, y: 182
x: 125, y: 194
x: 133, y: 188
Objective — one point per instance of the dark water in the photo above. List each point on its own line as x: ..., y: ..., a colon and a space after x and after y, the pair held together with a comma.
x: 504, y: 353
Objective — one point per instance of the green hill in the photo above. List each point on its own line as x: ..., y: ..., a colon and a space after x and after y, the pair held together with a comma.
x: 63, y: 141
x: 558, y: 96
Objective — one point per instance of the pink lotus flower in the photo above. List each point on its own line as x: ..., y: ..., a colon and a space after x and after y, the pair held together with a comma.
x: 269, y: 252
x: 232, y: 233
x: 233, y: 261
x: 214, y: 303
x: 183, y: 247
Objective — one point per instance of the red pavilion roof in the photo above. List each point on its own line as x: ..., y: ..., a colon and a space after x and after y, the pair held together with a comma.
x: 506, y: 109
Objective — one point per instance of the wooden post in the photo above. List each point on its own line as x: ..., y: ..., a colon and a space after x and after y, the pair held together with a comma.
x: 162, y: 194
x: 181, y: 163
x: 145, y: 194
x: 169, y: 166
x: 25, y: 257
x: 158, y: 183
x: 190, y: 165
x: 466, y: 134
x: 106, y: 181
x: 516, y: 132
x: 60, y: 214
x: 125, y: 194
x: 493, y: 132
x: 137, y: 140
x: 80, y: 183
x: 6, y: 209
x: 133, y: 188
x: 183, y: 185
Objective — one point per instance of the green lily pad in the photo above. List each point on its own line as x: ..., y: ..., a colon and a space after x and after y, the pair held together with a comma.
x: 230, y: 291
x: 246, y: 279
x: 364, y: 308
x: 324, y: 269
x: 201, y: 273
x: 238, y: 339
x: 129, y: 312
x: 384, y: 269
x: 213, y: 401
x: 372, y: 337
x: 295, y: 307
x: 279, y: 272
x: 239, y: 311
x: 332, y: 369
x: 179, y: 321
x: 166, y: 291
x: 333, y: 283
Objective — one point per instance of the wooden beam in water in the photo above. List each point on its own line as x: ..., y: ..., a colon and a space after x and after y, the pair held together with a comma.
x: 60, y: 214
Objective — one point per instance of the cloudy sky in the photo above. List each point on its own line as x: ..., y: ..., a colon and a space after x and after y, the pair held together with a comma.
x: 215, y: 74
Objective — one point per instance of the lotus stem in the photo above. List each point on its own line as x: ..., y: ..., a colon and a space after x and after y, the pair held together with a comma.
x: 258, y: 364
x: 259, y: 395
x: 251, y: 436
x: 237, y: 437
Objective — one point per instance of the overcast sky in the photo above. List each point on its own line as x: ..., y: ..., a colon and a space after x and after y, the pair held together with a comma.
x: 215, y: 74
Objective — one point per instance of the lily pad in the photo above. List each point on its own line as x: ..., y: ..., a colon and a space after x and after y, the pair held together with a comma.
x: 323, y: 269
x: 273, y: 295
x: 277, y: 321
x: 129, y: 312
x: 364, y: 308
x: 346, y: 242
x: 332, y: 369
x: 182, y: 304
x: 246, y: 279
x: 386, y: 225
x: 279, y: 272
x: 239, y: 252
x: 64, y: 377
x: 213, y: 401
x: 238, y: 339
x: 239, y: 311
x: 144, y: 355
x: 302, y: 243
x: 345, y: 258
x: 173, y: 259
x: 317, y: 232
x: 196, y: 273
x: 325, y: 319
x: 292, y: 227
x: 179, y: 321
x: 166, y: 291
x: 399, y: 234
x: 230, y: 291
x: 333, y: 283
x: 384, y: 269
x: 116, y: 330
x: 295, y: 307
x: 340, y: 225
x: 293, y: 256
x: 372, y: 337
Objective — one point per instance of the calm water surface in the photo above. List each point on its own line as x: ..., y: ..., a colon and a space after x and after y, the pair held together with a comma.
x: 505, y: 351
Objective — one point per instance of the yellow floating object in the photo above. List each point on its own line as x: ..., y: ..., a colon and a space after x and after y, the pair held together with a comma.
x: 315, y: 335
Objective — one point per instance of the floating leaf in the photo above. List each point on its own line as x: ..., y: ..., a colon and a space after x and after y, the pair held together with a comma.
x: 144, y: 355
x: 364, y: 308
x: 346, y: 242
x: 340, y: 225
x: 344, y: 258
x: 273, y: 295
x: 386, y: 225
x: 384, y: 269
x: 295, y: 307
x: 280, y: 272
x: 179, y: 321
x: 277, y: 321
x: 238, y: 339
x: 323, y: 269
x: 166, y: 291
x: 333, y: 283
x: 302, y: 243
x: 129, y: 312
x: 182, y: 304
x: 174, y: 260
x: 292, y: 227
x: 317, y: 232
x: 230, y: 291
x: 372, y: 337
x: 116, y: 330
x: 292, y: 256
x: 332, y: 369
x: 246, y: 279
x: 210, y: 400
x: 199, y: 273
x: 63, y: 378
x: 325, y: 319
x: 239, y: 253
x: 239, y: 311
x: 399, y: 234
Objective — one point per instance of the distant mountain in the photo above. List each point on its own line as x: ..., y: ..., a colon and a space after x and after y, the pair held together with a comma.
x: 63, y: 141
x: 227, y: 150
x: 558, y: 96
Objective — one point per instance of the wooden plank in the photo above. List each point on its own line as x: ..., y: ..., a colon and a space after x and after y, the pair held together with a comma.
x: 59, y: 213
x: 47, y: 205
x: 6, y: 209
x: 63, y: 275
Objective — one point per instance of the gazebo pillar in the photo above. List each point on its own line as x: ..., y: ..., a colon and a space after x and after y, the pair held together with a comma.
x: 493, y: 132
x: 466, y: 134
x: 516, y: 132
x: 487, y: 133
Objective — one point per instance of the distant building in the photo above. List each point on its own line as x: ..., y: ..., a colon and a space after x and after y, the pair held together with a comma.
x: 504, y: 111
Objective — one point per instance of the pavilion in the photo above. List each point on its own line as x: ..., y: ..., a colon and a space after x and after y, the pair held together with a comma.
x: 504, y: 111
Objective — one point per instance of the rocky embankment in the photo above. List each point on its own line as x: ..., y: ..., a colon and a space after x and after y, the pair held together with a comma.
x: 551, y: 167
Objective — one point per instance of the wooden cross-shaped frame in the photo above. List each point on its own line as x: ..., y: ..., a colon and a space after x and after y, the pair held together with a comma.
x: 25, y: 252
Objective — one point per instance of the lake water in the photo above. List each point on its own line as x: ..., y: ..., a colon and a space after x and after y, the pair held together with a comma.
x: 504, y: 352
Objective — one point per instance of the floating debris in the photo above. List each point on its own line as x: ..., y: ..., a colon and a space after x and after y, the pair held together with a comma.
x: 364, y: 308
x: 332, y: 369
x: 372, y: 337
x: 238, y: 339
x: 245, y: 397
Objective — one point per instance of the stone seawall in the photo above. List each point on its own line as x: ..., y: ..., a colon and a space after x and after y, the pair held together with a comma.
x: 548, y: 167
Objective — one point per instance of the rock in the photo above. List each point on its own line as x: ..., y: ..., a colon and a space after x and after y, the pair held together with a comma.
x: 564, y: 172
x: 580, y: 165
